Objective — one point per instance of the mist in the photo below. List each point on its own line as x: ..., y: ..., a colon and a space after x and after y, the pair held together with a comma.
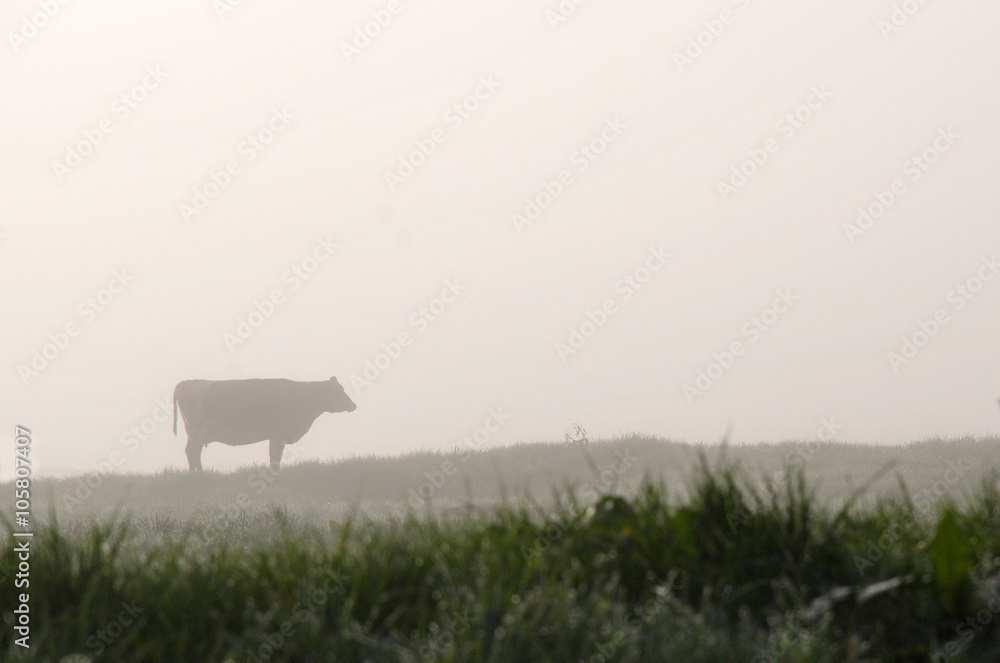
x: 675, y: 220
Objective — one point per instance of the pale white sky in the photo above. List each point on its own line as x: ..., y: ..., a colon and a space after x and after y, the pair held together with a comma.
x: 675, y: 130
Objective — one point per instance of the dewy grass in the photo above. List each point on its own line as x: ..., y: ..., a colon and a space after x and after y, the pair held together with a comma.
x: 740, y: 571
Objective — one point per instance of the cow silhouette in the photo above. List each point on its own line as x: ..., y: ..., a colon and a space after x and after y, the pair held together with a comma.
x: 237, y: 412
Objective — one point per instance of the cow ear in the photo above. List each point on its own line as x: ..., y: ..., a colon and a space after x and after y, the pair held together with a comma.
x: 334, y: 380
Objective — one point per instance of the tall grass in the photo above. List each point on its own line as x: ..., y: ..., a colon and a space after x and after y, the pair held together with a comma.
x: 739, y: 572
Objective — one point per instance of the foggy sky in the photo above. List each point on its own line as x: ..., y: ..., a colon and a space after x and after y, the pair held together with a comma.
x: 881, y: 94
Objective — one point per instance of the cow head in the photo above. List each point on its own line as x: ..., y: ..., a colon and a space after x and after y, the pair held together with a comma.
x: 339, y: 400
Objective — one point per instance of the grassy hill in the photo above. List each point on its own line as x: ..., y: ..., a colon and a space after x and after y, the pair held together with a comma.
x: 380, y: 486
x: 701, y: 563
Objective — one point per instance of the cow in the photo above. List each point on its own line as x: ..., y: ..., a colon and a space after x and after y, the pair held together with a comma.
x: 237, y: 412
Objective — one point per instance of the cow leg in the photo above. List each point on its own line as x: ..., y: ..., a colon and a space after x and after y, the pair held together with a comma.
x: 193, y: 451
x: 277, y: 448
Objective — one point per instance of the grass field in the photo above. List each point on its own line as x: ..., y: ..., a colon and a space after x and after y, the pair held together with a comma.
x: 632, y: 549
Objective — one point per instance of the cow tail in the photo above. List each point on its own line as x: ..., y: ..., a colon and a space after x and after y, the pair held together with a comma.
x: 175, y: 412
